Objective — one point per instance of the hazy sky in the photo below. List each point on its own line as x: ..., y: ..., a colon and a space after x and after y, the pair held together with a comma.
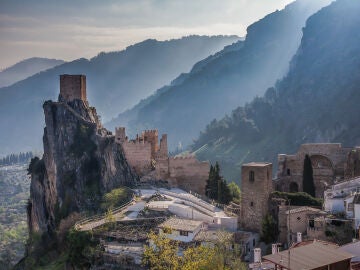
x: 72, y: 29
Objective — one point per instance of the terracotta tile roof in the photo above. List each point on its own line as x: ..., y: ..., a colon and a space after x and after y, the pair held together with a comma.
x: 213, y: 236
x: 304, y: 208
x: 181, y: 224
x: 311, y: 256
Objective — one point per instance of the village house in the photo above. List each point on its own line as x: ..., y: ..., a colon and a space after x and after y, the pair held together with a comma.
x: 312, y: 255
x: 183, y: 230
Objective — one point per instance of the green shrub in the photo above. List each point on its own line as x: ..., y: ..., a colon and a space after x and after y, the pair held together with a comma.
x: 298, y: 198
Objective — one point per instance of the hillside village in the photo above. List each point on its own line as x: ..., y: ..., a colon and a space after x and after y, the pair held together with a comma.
x: 276, y: 225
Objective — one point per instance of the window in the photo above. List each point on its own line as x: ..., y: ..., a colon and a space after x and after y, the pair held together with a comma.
x: 254, y: 243
x: 288, y: 172
x: 298, y: 218
x: 251, y: 176
x: 350, y: 207
x: 184, y: 233
x: 251, y: 203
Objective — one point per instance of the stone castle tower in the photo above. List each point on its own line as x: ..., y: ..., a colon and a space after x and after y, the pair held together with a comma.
x: 256, y: 186
x: 73, y: 87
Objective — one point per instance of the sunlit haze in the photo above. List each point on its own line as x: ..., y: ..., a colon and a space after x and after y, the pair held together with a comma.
x: 72, y: 29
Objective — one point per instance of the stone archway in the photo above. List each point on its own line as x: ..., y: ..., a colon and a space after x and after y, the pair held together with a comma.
x: 293, y: 187
x: 323, y: 172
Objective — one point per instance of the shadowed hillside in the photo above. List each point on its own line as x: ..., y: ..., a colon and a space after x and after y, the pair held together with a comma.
x: 222, y: 82
x: 318, y: 101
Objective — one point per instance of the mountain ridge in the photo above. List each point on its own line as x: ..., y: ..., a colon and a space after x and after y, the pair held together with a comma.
x: 316, y: 101
x: 26, y: 68
x: 115, y: 81
x: 221, y: 83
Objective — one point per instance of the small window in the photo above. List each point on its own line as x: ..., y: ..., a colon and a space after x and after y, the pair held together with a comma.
x: 254, y: 243
x: 251, y: 176
x: 288, y: 172
x: 350, y: 207
x: 184, y: 233
x: 298, y: 218
x: 251, y: 203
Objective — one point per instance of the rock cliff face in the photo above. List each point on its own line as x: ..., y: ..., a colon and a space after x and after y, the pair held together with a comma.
x: 81, y: 162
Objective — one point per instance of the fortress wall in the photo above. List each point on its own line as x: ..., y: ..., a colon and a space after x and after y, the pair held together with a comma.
x: 190, y: 173
x: 162, y: 170
x: 329, y: 162
x: 138, y: 155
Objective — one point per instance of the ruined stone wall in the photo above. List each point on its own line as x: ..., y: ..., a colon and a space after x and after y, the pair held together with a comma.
x: 152, y: 161
x: 73, y: 87
x: 189, y: 173
x: 352, y: 167
x: 138, y: 155
x: 120, y: 136
x: 163, y: 150
x: 256, y: 186
x: 328, y: 161
x: 162, y: 170
x: 152, y: 137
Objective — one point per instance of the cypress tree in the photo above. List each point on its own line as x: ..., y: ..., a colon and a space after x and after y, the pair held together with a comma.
x: 209, y: 181
x: 308, y: 178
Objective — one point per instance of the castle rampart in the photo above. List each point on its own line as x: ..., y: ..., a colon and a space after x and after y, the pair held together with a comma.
x: 149, y: 159
x: 330, y: 162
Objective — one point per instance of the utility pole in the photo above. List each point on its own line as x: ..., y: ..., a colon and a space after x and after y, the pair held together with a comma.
x: 289, y: 243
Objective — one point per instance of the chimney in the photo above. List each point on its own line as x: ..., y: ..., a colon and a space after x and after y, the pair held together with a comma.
x: 299, y: 237
x: 257, y: 255
x: 274, y: 248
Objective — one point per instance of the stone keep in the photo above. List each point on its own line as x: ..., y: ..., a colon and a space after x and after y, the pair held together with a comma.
x: 73, y: 87
x: 256, y: 186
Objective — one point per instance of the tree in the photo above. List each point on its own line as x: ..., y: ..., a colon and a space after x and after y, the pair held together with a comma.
x: 216, y: 186
x: 308, y: 178
x: 235, y: 192
x: 269, y: 231
x: 162, y: 253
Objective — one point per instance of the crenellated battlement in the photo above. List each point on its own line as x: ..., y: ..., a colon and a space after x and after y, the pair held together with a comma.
x: 148, y: 157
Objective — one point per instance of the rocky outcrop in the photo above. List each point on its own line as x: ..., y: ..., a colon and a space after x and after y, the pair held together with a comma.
x: 81, y: 162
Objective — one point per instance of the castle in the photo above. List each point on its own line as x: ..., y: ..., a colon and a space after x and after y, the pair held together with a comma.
x: 331, y: 164
x: 151, y: 161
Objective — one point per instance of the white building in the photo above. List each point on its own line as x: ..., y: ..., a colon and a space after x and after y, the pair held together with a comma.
x: 356, y: 206
x: 183, y: 230
x: 334, y: 198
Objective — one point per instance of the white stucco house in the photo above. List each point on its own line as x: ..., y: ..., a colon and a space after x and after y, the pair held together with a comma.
x: 183, y: 230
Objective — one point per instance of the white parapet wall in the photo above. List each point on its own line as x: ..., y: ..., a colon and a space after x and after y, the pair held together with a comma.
x: 185, y: 211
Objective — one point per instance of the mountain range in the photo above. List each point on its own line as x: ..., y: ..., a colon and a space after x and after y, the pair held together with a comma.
x: 225, y: 80
x: 26, y: 68
x: 115, y: 82
x: 318, y: 100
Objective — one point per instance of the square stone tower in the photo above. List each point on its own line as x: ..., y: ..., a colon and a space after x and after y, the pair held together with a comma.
x: 256, y: 186
x: 73, y: 87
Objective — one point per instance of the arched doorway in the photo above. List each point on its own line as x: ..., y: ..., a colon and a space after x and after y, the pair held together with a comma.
x: 323, y: 171
x: 293, y: 187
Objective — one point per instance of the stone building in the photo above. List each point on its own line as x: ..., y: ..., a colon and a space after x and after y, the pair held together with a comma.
x: 295, y: 219
x: 256, y: 186
x: 73, y: 87
x: 330, y: 162
x: 150, y: 160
